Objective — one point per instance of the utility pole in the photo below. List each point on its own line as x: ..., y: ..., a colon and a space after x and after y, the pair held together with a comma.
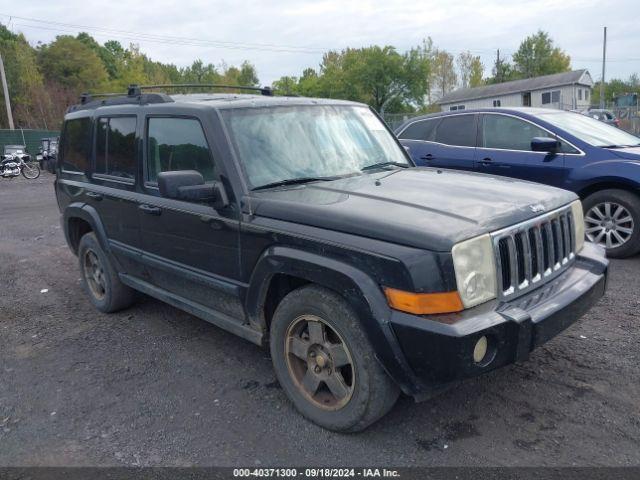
x: 498, y: 68
x: 604, y: 60
x: 5, y: 88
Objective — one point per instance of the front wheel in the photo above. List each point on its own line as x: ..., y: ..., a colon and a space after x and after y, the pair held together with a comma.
x: 30, y: 171
x: 612, y: 219
x: 325, y: 363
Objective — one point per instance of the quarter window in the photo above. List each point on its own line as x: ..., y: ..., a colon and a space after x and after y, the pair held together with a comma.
x: 177, y: 144
x: 509, y: 133
x: 116, y: 147
x: 423, y: 130
x: 457, y: 130
x: 76, y: 144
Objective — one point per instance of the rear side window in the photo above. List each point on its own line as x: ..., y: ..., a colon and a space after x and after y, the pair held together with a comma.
x: 116, y: 147
x: 457, y: 130
x: 509, y: 133
x: 177, y: 144
x: 421, y: 130
x: 76, y: 145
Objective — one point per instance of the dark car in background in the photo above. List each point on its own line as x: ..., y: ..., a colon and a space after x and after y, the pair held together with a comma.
x: 606, y: 116
x: 563, y: 149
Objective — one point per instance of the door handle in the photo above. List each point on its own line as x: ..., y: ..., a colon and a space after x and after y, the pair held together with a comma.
x: 486, y: 161
x: 96, y: 196
x: 150, y: 210
x: 427, y: 157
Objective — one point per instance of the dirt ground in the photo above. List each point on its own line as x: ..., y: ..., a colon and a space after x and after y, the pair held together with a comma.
x: 155, y: 386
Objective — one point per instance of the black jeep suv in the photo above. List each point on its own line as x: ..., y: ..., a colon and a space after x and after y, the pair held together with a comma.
x: 297, y: 223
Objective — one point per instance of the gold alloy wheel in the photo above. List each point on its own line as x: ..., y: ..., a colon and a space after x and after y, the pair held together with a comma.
x: 94, y: 274
x: 319, y: 362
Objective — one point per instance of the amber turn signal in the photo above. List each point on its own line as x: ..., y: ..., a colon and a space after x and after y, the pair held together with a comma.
x: 424, y: 303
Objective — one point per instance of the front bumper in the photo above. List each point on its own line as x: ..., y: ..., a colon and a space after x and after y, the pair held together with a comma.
x: 439, y: 349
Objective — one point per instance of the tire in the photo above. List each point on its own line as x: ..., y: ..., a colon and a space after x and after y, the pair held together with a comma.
x: 108, y: 294
x: 621, y: 204
x: 34, y: 171
x: 371, y: 392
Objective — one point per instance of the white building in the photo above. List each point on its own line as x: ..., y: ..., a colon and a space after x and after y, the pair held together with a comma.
x: 568, y: 90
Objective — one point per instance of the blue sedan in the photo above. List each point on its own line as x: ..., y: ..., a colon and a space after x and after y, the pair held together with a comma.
x: 567, y: 150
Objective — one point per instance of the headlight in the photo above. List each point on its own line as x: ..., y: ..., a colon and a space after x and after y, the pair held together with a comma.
x: 578, y: 221
x: 474, y: 264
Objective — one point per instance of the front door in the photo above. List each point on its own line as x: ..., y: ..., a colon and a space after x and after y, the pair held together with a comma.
x: 505, y: 149
x: 190, y: 250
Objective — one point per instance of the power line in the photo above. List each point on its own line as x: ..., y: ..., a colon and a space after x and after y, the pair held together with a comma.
x: 66, y: 27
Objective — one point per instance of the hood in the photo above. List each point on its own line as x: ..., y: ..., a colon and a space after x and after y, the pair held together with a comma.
x: 629, y: 153
x: 419, y: 207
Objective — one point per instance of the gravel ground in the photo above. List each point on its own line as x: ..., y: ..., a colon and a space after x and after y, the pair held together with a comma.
x: 155, y: 386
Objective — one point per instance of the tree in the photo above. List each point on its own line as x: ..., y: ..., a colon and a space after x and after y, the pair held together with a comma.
x: 285, y: 86
x: 73, y: 64
x: 23, y: 78
x: 537, y: 55
x: 470, y: 68
x: 443, y: 73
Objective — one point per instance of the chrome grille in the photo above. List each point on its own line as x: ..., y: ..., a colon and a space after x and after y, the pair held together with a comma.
x: 533, y: 252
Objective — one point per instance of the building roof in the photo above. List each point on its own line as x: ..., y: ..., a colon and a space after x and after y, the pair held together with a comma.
x: 516, y: 86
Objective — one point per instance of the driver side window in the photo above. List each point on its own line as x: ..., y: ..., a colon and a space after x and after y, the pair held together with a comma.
x: 177, y: 144
x: 509, y: 133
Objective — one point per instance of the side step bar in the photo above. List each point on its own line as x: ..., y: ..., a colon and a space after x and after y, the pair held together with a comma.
x: 208, y: 314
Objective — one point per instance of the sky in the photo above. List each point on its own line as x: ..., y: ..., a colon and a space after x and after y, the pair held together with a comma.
x: 282, y: 37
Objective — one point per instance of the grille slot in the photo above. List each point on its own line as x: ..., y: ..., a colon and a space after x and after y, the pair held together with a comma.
x: 533, y: 252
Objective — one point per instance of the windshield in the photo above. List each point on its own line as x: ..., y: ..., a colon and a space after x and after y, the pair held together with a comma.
x: 589, y: 130
x: 277, y: 144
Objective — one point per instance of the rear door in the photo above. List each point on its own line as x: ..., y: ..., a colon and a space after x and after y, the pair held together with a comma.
x: 112, y: 191
x: 456, y: 140
x: 448, y: 141
x: 418, y: 138
x: 505, y: 149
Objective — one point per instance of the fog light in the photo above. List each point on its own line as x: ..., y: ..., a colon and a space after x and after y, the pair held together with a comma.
x: 480, y: 350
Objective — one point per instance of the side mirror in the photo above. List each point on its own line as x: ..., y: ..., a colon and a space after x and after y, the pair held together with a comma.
x: 545, y: 144
x: 189, y: 185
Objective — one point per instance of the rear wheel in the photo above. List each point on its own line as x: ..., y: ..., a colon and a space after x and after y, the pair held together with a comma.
x: 31, y: 170
x: 99, y: 278
x: 325, y: 363
x: 612, y: 219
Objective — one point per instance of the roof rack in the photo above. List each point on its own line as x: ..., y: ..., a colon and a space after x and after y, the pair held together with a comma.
x: 139, y: 88
x: 134, y: 94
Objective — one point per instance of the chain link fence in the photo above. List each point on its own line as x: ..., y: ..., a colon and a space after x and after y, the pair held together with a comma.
x: 29, y: 138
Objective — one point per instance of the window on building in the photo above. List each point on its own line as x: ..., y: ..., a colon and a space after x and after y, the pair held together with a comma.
x: 456, y: 107
x: 509, y: 133
x: 579, y: 94
x: 586, y: 94
x: 422, y: 130
x: 177, y: 144
x: 116, y: 147
x: 551, y: 97
x: 496, y: 103
x: 76, y: 144
x: 458, y: 130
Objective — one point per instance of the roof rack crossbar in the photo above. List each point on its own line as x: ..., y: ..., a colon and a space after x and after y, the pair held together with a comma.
x: 263, y: 90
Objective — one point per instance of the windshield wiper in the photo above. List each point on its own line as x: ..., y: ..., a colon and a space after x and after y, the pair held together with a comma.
x: 384, y: 164
x: 621, y: 146
x: 294, y: 181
